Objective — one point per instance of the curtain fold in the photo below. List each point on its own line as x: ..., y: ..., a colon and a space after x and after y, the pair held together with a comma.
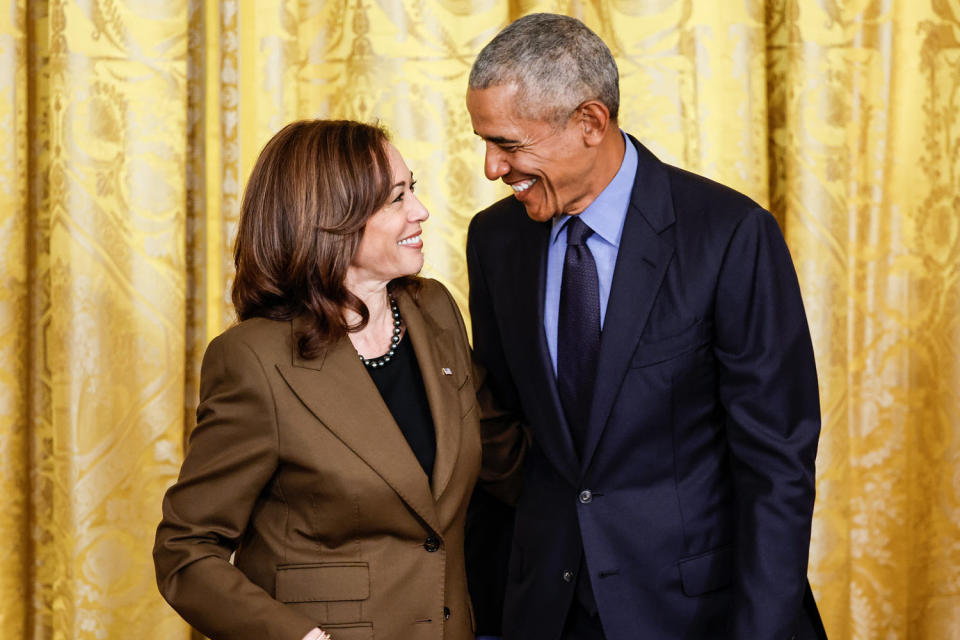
x: 867, y: 151
x: 14, y: 319
x: 128, y: 128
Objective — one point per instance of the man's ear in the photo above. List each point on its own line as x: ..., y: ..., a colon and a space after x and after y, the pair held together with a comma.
x: 594, y: 121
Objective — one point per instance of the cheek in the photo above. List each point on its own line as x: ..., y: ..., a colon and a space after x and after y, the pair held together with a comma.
x: 381, y: 244
x: 373, y: 251
x: 565, y: 180
x: 552, y: 174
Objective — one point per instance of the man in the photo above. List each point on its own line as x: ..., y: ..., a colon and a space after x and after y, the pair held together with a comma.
x: 647, y: 325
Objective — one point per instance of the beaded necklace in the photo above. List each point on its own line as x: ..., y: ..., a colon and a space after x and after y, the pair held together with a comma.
x: 380, y: 361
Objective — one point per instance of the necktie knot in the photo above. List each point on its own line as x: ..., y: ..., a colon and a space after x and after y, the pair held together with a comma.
x: 577, y: 231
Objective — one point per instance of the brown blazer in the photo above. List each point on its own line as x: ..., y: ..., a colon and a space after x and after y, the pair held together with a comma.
x: 299, y: 467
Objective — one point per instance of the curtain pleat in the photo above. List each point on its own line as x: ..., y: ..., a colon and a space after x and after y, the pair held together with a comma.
x: 14, y: 320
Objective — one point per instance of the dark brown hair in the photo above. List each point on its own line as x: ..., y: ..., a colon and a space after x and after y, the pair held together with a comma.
x: 309, y: 196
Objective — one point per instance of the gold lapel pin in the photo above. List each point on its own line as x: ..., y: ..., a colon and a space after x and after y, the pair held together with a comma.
x: 447, y: 371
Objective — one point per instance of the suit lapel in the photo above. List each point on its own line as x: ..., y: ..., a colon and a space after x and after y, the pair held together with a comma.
x: 337, y: 389
x: 528, y: 276
x: 641, y: 264
x: 435, y: 351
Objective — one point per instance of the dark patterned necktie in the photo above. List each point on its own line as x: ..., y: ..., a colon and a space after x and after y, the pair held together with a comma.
x: 578, y: 330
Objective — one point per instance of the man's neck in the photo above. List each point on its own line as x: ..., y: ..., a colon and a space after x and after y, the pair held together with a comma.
x: 608, y: 160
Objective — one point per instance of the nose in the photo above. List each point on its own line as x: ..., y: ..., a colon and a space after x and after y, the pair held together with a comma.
x: 495, y: 163
x: 418, y: 212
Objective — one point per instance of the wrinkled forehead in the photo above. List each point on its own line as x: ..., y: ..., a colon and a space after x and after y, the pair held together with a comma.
x: 502, y: 106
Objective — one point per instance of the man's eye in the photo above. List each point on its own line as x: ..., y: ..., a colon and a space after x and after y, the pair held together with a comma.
x: 510, y: 148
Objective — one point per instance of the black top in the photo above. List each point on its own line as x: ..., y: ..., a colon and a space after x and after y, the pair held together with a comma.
x: 401, y: 387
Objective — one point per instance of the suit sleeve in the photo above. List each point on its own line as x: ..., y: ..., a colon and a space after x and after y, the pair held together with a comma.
x: 768, y: 386
x: 505, y: 437
x: 489, y: 525
x: 232, y: 455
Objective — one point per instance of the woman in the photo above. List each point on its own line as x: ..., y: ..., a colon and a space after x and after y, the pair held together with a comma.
x: 337, y: 439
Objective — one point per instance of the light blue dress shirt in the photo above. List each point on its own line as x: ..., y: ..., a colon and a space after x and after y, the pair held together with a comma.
x: 605, y: 215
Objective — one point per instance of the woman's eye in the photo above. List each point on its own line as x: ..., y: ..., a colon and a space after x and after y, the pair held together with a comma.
x: 399, y: 197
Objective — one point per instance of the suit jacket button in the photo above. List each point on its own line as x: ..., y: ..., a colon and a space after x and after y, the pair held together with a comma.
x: 586, y: 496
x: 446, y: 613
x: 431, y: 544
x: 567, y: 575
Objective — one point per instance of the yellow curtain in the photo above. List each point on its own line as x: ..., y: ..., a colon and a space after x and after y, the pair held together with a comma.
x: 128, y: 129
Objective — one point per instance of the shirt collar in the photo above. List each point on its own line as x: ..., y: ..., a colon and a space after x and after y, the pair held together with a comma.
x: 605, y: 215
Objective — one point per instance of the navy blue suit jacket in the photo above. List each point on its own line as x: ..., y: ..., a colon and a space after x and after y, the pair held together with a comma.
x: 703, y: 433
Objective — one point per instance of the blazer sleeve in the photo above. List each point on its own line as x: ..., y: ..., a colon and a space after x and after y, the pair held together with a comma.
x: 768, y: 386
x: 233, y: 452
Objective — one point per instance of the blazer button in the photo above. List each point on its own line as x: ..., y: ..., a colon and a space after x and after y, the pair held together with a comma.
x: 431, y: 544
x: 586, y: 496
x: 567, y: 575
x: 446, y: 613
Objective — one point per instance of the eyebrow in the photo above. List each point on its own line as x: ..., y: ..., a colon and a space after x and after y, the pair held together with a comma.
x: 401, y: 184
x: 497, y: 139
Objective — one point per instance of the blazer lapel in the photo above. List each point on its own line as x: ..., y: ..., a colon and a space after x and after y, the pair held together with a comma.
x: 528, y: 275
x: 641, y: 264
x: 336, y: 388
x: 435, y: 350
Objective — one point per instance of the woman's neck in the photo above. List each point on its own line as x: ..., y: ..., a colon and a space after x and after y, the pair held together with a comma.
x: 374, y: 339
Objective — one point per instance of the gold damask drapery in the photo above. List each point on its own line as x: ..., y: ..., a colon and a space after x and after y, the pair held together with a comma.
x: 128, y: 127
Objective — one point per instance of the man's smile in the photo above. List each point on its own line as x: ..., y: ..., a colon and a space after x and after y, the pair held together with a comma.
x: 523, y: 185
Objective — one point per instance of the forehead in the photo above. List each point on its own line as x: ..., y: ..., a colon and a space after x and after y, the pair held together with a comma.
x: 398, y: 167
x: 495, y: 116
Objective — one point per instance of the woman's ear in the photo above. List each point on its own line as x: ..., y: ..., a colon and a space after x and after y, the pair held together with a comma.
x: 594, y: 121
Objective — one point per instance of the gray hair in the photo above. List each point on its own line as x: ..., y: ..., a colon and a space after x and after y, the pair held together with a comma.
x: 556, y: 63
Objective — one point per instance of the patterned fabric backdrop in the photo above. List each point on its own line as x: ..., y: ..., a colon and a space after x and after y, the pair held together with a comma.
x: 129, y: 126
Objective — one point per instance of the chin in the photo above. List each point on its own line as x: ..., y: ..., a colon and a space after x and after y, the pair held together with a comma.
x: 539, y: 215
x: 414, y: 269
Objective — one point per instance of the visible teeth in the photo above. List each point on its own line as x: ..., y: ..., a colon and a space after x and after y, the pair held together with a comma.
x: 523, y: 186
x: 412, y: 240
